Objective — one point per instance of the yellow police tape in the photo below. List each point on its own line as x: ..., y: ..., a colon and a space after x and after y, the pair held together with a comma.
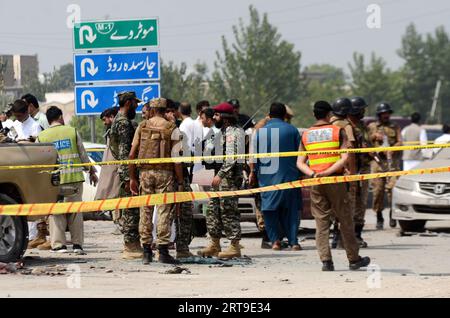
x: 227, y: 157
x: 178, y: 197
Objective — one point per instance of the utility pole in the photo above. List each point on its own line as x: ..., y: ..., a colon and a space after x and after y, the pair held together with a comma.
x: 435, y: 99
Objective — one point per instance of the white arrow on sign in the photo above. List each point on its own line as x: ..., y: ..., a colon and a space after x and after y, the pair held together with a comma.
x: 90, y: 34
x: 92, y: 101
x: 91, y: 69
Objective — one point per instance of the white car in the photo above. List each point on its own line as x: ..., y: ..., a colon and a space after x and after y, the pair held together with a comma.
x: 95, y: 153
x: 417, y: 199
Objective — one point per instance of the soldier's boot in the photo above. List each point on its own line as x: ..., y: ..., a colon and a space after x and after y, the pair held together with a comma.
x: 380, y: 221
x: 234, y: 250
x: 213, y: 249
x: 132, y: 251
x: 164, y: 256
x: 359, y: 239
x: 147, y: 254
x: 184, y: 254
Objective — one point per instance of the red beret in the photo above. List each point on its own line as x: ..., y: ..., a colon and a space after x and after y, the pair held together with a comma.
x: 224, y: 108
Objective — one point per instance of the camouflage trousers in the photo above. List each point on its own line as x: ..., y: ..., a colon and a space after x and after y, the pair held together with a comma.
x: 382, y: 186
x: 129, y: 225
x: 183, y: 221
x: 358, y: 199
x: 259, y: 216
x: 223, y: 213
x: 151, y: 182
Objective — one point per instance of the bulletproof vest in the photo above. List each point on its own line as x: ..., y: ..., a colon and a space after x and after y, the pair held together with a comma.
x: 390, y: 131
x: 156, y: 142
x: 412, y: 133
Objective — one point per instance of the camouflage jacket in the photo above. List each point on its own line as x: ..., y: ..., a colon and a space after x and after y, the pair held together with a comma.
x: 121, y: 137
x: 233, y: 139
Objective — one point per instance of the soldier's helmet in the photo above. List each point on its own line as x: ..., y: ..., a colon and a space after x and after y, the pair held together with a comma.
x: 342, y: 106
x: 384, y: 108
x: 358, y: 104
x: 124, y: 96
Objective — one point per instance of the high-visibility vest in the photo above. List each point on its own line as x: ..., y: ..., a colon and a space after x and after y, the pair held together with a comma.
x: 319, y: 138
x: 65, y: 140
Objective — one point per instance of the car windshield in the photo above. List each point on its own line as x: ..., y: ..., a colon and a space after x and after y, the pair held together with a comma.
x: 432, y: 134
x: 97, y: 156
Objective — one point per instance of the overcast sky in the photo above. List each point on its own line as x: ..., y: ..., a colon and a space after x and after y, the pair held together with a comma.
x: 324, y: 31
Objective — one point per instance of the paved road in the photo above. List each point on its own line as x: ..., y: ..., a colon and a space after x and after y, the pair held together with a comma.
x: 411, y: 266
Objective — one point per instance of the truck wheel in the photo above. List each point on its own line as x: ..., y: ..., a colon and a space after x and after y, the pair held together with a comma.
x: 199, y: 227
x: 412, y: 226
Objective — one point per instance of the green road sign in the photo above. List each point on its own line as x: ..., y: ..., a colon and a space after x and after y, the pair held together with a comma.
x: 115, y: 34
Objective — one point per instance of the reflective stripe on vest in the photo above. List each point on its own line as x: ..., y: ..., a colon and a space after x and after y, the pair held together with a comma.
x: 65, y: 140
x: 322, y: 138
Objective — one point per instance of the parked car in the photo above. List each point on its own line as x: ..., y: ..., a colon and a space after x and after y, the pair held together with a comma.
x: 95, y: 153
x: 420, y: 198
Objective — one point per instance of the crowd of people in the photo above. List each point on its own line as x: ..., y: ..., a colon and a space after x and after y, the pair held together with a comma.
x: 168, y: 130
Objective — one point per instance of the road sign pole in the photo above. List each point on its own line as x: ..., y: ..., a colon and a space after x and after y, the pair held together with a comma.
x: 92, y: 126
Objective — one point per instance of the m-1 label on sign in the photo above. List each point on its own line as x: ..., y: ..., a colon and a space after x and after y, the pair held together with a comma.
x: 116, y: 34
x: 93, y: 100
x: 112, y: 67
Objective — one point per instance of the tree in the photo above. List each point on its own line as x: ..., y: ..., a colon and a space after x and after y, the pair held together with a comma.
x: 258, y: 68
x: 427, y: 60
x: 81, y: 123
x: 375, y: 82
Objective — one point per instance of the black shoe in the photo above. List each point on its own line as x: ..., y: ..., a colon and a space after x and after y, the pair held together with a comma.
x: 327, y: 266
x: 77, y: 249
x: 165, y: 257
x: 359, y: 239
x: 147, y: 257
x: 380, y: 221
x: 363, y: 262
x: 61, y: 249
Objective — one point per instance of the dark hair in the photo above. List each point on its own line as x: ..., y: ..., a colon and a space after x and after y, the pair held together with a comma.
x: 446, y: 129
x: 20, y: 106
x: 172, y: 105
x: 277, y: 110
x: 31, y: 99
x: 53, y: 113
x: 109, y: 112
x: 209, y: 113
x: 160, y: 110
x: 234, y: 102
x: 415, y: 118
x: 201, y: 105
x: 185, y: 109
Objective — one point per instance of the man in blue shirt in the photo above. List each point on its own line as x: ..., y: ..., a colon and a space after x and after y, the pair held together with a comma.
x: 280, y: 208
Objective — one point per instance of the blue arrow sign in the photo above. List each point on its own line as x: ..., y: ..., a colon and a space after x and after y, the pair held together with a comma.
x: 93, y: 100
x: 113, y: 67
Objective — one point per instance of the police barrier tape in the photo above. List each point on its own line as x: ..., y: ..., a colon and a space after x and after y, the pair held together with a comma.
x: 178, y: 197
x: 199, y: 159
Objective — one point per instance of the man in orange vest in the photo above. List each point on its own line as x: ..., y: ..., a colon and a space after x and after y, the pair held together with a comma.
x: 329, y: 200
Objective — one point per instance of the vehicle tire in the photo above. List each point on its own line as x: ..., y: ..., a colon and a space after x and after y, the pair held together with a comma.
x: 13, y: 235
x: 412, y: 226
x: 199, y: 227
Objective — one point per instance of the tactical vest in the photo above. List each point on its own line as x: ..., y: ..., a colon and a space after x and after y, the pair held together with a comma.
x: 412, y: 133
x: 65, y: 140
x: 318, y: 138
x: 156, y: 142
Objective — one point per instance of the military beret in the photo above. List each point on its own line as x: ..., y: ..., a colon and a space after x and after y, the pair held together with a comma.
x: 225, y: 108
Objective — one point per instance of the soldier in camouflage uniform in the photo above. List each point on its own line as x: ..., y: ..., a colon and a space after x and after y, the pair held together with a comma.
x: 359, y: 192
x: 157, y: 138
x: 121, y: 136
x: 223, y: 213
x: 384, y: 133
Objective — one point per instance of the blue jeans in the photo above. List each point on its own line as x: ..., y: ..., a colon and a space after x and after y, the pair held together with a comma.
x: 287, y: 220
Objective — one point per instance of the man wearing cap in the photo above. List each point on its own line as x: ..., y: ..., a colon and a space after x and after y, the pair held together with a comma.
x: 121, y: 137
x: 157, y: 138
x: 329, y: 199
x: 223, y: 213
x: 243, y: 120
x: 359, y: 193
x: 384, y: 133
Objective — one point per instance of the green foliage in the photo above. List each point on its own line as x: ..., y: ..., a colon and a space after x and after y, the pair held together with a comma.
x: 258, y: 67
x: 81, y: 123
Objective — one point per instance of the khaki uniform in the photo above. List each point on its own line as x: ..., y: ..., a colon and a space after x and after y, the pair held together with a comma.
x: 345, y: 124
x: 389, y: 162
x: 156, y: 138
